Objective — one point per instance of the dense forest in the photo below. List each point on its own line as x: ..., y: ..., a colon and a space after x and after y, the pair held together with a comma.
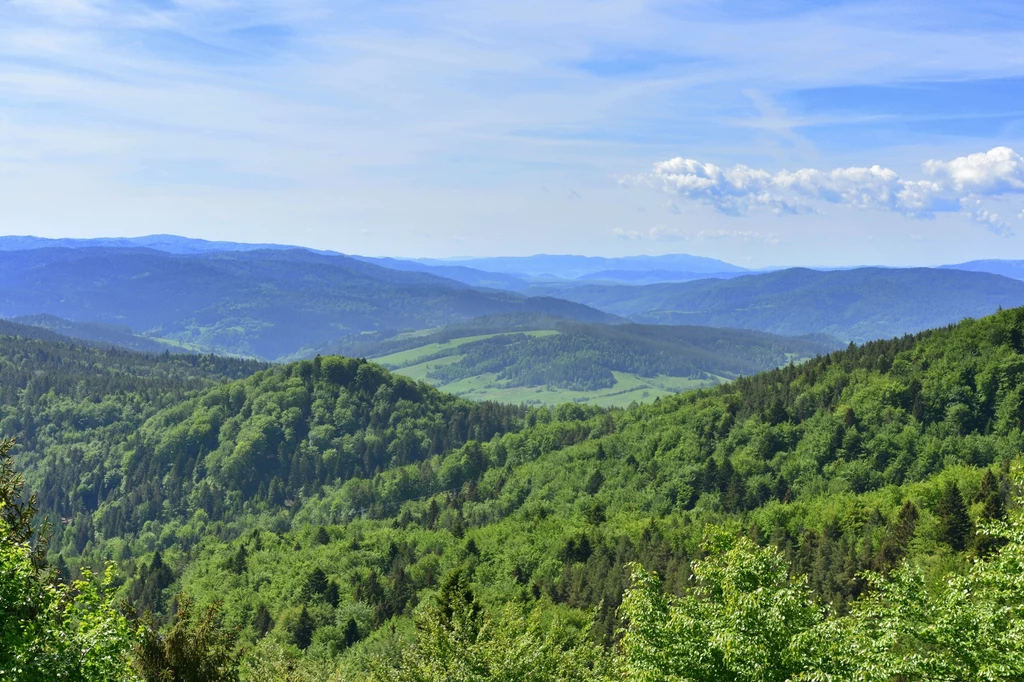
x: 853, y: 517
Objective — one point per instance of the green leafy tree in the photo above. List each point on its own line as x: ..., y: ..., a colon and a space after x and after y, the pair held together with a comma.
x: 970, y: 627
x: 457, y: 643
x: 50, y: 630
x: 739, y: 621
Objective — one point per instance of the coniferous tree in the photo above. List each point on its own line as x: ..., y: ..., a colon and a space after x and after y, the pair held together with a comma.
x: 332, y: 594
x: 239, y: 563
x: 989, y: 485
x: 302, y: 634
x: 198, y: 647
x: 896, y: 542
x: 147, y: 591
x: 994, y: 510
x: 954, y: 523
x: 455, y: 599
x: 351, y: 632
x: 316, y: 584
x: 262, y: 622
x: 322, y: 538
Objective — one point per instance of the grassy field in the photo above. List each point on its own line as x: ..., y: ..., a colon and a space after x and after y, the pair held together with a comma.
x: 420, y: 369
x: 628, y: 388
x: 408, y: 358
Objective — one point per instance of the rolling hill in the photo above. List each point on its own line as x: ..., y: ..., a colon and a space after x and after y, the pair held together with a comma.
x: 264, y: 303
x: 99, y: 334
x: 550, y: 361
x: 852, y: 305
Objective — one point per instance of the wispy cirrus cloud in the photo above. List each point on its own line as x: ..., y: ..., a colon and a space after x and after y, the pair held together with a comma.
x: 957, y: 186
x: 243, y: 120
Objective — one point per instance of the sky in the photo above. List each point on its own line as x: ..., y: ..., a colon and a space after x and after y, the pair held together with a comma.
x: 763, y: 133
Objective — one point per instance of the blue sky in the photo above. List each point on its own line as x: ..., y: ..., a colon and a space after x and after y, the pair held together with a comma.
x: 446, y: 128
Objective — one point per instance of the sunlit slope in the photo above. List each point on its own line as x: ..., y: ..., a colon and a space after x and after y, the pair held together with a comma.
x: 598, y: 365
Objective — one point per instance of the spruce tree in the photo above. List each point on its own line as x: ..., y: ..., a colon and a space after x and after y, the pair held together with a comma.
x: 332, y: 594
x: 954, y: 523
x: 302, y: 635
x: 994, y: 510
x: 316, y: 585
x: 351, y: 632
x: 322, y: 538
x: 262, y: 622
x: 989, y: 485
x: 239, y: 563
x: 456, y: 601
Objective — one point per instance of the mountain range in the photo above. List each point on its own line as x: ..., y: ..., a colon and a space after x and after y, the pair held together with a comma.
x: 264, y: 303
x: 851, y: 305
x: 277, y: 303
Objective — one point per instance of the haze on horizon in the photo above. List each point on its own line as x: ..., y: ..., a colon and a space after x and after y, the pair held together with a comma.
x: 762, y: 134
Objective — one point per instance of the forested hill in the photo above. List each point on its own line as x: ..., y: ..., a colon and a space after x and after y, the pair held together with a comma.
x: 579, y: 357
x: 331, y: 506
x: 66, y: 400
x: 852, y: 305
x: 262, y: 303
x: 99, y: 334
x: 264, y: 442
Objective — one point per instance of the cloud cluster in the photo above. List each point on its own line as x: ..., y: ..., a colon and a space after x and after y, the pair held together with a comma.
x: 959, y: 185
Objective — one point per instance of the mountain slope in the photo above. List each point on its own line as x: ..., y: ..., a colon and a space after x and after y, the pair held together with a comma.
x: 99, y: 334
x: 852, y: 305
x: 842, y: 463
x: 67, y: 400
x: 637, y: 277
x: 259, y: 303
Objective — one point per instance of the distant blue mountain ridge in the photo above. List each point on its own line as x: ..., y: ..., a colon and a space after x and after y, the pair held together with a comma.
x: 508, y: 273
x: 275, y: 301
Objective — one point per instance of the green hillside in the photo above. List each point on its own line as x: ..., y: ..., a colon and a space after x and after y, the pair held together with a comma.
x: 100, y: 334
x: 355, y: 524
x: 69, y: 402
x: 563, y: 361
x: 851, y: 305
x: 267, y: 304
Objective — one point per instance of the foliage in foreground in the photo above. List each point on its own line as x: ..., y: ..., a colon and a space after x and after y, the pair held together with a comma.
x: 50, y: 630
x: 745, y: 619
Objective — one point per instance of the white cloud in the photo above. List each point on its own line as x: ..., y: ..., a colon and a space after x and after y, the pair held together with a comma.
x: 959, y: 185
